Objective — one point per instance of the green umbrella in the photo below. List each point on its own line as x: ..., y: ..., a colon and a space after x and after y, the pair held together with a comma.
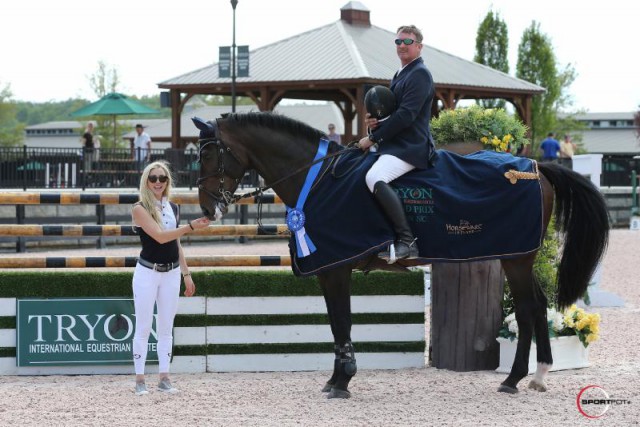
x: 32, y: 166
x: 114, y: 104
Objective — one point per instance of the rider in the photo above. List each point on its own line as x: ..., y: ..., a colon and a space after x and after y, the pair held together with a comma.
x: 404, y: 139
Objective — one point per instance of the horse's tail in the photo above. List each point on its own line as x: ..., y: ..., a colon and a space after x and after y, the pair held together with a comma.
x: 581, y: 214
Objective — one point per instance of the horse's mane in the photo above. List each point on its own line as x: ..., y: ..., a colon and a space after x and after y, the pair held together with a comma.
x: 276, y: 122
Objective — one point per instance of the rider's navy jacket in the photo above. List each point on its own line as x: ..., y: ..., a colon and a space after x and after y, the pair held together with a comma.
x: 406, y: 133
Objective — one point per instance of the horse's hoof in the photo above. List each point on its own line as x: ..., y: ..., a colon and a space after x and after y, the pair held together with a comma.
x: 507, y: 389
x: 538, y: 386
x: 327, y: 388
x: 338, y: 394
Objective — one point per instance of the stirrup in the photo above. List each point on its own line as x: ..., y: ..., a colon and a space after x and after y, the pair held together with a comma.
x: 403, y: 251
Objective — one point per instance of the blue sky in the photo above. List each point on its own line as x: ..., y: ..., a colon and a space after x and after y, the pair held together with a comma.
x: 49, y: 49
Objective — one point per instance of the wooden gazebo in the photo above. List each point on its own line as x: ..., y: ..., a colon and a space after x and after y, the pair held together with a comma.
x: 298, y: 68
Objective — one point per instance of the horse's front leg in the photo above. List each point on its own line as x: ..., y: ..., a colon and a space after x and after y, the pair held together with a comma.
x: 336, y: 288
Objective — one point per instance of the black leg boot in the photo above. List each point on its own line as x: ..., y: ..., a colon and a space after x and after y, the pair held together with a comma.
x: 405, y: 245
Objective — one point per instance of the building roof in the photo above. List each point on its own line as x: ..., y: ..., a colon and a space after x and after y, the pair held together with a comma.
x: 625, y: 115
x: 343, y: 51
x: 611, y: 141
x: 315, y: 115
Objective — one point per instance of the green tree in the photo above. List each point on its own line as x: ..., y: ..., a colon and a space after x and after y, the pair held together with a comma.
x: 31, y: 113
x: 11, y: 131
x: 537, y: 64
x: 106, y: 80
x: 492, y: 43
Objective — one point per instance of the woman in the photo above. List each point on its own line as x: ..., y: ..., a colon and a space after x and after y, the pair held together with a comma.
x: 156, y: 279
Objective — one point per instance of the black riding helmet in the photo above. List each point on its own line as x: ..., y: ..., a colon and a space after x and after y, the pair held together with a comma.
x: 380, y: 102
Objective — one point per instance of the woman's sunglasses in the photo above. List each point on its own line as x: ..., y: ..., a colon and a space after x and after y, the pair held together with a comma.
x: 155, y: 178
x: 405, y: 41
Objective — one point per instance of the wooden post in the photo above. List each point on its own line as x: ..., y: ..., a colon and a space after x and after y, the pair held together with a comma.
x: 466, y: 314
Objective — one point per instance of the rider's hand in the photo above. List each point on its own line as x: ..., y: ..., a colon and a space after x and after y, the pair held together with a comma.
x: 371, y: 122
x: 365, y: 143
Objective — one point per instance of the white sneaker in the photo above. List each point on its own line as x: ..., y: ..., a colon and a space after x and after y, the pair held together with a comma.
x: 141, y: 389
x: 165, y: 386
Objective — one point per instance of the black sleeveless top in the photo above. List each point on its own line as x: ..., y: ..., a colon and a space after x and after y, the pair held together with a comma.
x: 160, y: 253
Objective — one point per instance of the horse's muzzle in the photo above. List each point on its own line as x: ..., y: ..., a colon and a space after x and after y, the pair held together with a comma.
x: 215, y: 212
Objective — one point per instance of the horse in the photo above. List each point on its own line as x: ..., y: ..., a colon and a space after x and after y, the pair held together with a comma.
x: 280, y: 149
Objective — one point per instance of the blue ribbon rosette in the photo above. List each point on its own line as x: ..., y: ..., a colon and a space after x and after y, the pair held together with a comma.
x: 295, y: 216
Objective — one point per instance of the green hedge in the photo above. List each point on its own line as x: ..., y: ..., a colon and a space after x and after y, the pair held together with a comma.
x: 51, y: 284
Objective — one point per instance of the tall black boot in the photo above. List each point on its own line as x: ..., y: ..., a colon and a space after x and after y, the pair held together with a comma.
x: 405, y: 245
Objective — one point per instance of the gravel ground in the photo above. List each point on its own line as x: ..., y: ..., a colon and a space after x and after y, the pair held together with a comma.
x: 417, y: 397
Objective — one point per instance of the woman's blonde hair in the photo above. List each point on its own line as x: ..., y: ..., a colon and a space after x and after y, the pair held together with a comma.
x: 147, y: 198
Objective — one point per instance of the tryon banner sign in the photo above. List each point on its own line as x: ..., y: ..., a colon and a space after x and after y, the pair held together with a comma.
x: 77, y: 331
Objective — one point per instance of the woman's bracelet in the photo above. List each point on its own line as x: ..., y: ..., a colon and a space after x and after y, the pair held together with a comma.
x: 186, y: 274
x: 191, y: 226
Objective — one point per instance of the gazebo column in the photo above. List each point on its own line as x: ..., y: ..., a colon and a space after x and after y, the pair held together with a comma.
x: 177, y: 106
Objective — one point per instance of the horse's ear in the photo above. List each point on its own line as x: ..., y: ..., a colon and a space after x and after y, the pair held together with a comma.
x: 207, y: 130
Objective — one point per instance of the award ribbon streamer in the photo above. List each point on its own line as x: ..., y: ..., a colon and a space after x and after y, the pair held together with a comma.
x: 295, y: 216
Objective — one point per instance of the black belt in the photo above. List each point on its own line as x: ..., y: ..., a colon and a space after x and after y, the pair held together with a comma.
x: 162, y: 268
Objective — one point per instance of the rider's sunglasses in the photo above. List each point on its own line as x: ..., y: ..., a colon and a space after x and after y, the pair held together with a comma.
x: 405, y: 41
x: 155, y: 178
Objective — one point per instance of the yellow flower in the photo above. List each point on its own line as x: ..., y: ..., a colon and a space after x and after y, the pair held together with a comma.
x: 591, y: 338
x: 484, y: 139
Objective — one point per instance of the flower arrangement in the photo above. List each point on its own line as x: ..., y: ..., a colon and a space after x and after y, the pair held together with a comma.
x: 496, y: 129
x: 573, y: 321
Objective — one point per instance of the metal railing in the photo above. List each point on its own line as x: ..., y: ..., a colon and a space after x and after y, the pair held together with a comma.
x: 41, y: 168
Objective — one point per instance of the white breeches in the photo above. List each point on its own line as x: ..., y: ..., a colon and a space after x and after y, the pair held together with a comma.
x: 150, y: 288
x: 387, y: 168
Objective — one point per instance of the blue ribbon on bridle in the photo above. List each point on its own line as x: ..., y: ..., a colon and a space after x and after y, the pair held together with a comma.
x: 296, y: 216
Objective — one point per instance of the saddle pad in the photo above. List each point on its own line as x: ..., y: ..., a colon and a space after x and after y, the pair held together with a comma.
x: 462, y: 209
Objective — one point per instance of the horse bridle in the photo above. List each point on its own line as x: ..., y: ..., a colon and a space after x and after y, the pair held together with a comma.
x: 224, y: 198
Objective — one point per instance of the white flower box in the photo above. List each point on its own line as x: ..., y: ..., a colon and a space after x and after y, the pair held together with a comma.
x: 568, y: 353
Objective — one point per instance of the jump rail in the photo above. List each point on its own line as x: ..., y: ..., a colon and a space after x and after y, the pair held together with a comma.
x: 70, y: 198
x: 23, y: 230
x: 119, y: 261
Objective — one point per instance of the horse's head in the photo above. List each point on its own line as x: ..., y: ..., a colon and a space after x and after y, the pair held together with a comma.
x: 220, y: 171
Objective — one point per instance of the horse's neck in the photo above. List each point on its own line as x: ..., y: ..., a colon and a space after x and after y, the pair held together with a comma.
x: 277, y: 158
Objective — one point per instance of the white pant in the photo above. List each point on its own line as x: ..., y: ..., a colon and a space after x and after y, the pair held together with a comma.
x: 151, y: 287
x: 387, y: 168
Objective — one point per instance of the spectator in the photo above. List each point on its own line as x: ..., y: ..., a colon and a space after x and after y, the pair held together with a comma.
x: 332, y: 135
x: 141, y: 147
x: 567, y: 150
x: 88, y: 147
x: 550, y: 148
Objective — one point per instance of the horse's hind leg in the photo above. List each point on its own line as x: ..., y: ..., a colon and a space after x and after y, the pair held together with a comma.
x: 336, y: 287
x: 531, y: 315
x: 543, y: 345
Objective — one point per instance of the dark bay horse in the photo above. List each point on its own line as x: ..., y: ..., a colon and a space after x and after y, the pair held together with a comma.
x: 281, y: 150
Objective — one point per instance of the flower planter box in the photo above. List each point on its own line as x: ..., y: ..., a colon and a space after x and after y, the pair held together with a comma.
x: 568, y: 353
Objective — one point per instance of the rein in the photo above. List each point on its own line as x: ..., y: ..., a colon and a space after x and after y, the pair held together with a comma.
x: 234, y: 198
x: 228, y: 198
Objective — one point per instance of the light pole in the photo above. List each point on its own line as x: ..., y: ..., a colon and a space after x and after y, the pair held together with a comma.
x: 244, y: 209
x: 234, y: 3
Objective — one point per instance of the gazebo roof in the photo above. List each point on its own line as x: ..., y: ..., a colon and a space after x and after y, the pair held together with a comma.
x: 338, y: 62
x: 343, y: 51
